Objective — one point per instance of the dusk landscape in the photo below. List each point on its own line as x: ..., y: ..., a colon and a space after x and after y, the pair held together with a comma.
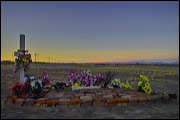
x: 87, y: 44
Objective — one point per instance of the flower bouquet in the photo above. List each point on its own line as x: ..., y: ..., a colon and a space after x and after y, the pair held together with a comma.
x: 86, y: 79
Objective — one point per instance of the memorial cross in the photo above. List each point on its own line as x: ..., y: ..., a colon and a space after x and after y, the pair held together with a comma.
x: 19, y: 54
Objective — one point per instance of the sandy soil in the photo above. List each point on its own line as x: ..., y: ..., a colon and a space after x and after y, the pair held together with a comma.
x: 156, y: 111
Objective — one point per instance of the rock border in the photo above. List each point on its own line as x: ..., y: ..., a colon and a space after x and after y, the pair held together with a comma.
x: 90, y: 97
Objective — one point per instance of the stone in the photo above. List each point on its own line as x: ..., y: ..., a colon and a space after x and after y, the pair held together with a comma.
x: 64, y: 101
x: 41, y: 101
x: 52, y: 101
x: 126, y: 96
x: 118, y: 90
x: 86, y: 99
x: 19, y: 101
x: 59, y: 95
x: 129, y: 92
x: 140, y: 94
x: 11, y: 99
x: 98, y: 103
x: 108, y: 90
x: 112, y: 101
x: 78, y: 94
x: 121, y: 94
x: 72, y: 93
x: 75, y: 101
x: 100, y: 93
x: 107, y: 96
x: 142, y: 100
x: 86, y: 104
x: 48, y: 96
x: 90, y: 94
x: 122, y: 100
x: 133, y: 100
x: 25, y: 96
x: 98, y: 98
x: 68, y: 96
x: 75, y: 97
x: 111, y: 93
x: 30, y: 101
x: 115, y: 96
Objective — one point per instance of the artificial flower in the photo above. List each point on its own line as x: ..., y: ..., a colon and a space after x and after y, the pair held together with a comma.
x: 76, y: 84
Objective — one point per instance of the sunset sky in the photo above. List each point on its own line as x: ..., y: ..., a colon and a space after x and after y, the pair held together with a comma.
x: 92, y: 31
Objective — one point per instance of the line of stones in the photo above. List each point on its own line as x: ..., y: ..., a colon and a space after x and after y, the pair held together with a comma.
x: 90, y: 97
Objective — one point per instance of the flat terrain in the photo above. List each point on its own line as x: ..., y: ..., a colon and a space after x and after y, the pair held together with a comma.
x: 164, y: 78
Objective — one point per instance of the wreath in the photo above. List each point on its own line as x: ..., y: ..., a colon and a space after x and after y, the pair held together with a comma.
x: 23, y: 61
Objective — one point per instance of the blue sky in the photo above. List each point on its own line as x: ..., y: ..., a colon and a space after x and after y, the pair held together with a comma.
x: 92, y: 30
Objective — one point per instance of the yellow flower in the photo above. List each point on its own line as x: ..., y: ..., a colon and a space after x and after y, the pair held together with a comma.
x: 76, y: 84
x: 144, y: 78
x: 127, y: 85
x: 147, y: 88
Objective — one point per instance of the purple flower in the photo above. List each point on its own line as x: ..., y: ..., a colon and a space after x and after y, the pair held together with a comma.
x: 46, y: 79
x: 94, y: 79
x: 78, y: 76
x: 83, y: 73
x: 70, y: 80
x: 102, y: 86
x: 72, y: 71
x: 44, y: 72
x: 100, y: 74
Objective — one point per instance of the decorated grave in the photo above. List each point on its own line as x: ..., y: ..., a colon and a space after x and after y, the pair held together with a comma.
x: 81, y: 89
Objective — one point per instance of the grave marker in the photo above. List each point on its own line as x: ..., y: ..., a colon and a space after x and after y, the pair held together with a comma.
x: 19, y: 54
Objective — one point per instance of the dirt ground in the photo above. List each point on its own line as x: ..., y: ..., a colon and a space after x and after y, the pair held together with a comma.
x: 155, y: 111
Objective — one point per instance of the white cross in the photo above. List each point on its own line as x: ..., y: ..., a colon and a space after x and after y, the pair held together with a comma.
x: 22, y: 47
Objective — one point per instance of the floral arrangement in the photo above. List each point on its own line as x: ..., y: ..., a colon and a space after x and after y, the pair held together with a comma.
x: 45, y: 79
x: 108, y: 77
x: 85, y: 78
x: 143, y: 85
x: 36, y: 89
x: 116, y: 83
x: 23, y: 61
x: 18, y: 89
x: 32, y: 87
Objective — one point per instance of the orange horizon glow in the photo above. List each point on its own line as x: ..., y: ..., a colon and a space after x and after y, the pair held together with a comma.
x: 100, y: 56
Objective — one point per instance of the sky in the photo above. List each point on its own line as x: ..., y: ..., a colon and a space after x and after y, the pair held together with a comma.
x: 91, y: 31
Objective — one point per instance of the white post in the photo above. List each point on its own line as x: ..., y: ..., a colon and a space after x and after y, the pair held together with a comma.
x: 22, y: 47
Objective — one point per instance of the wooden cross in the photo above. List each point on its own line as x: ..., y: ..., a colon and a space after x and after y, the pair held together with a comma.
x: 22, y: 47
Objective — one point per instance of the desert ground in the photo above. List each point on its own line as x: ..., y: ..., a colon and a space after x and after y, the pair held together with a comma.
x: 163, y: 78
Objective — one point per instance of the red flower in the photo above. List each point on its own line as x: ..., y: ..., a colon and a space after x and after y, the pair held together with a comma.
x: 24, y: 51
x: 23, y: 89
x: 15, y: 85
x: 27, y: 84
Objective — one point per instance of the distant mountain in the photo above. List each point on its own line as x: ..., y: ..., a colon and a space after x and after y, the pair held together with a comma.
x: 139, y: 62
